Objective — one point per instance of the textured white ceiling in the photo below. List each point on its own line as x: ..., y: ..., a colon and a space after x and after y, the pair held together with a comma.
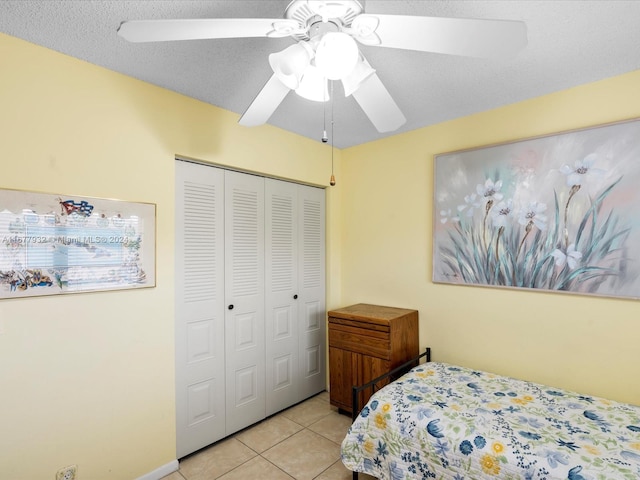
x: 570, y: 43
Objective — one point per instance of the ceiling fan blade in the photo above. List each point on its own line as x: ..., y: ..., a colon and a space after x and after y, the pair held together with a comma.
x: 199, y: 29
x: 265, y: 103
x: 378, y: 105
x: 453, y: 36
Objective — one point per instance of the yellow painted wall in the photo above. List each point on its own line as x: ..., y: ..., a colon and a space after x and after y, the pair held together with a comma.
x: 88, y: 379
x: 581, y: 343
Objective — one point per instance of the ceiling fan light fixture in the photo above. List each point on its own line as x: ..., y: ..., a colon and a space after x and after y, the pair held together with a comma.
x: 290, y: 64
x: 336, y: 55
x: 360, y: 73
x: 314, y: 85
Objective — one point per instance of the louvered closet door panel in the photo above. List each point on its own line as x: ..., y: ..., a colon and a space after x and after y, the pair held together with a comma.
x: 311, y: 300
x: 281, y: 286
x: 244, y: 292
x: 199, y: 322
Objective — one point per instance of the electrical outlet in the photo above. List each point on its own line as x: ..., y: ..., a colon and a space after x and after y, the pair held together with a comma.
x: 67, y: 473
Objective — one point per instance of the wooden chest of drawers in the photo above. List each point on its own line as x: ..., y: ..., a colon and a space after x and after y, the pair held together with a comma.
x: 366, y: 341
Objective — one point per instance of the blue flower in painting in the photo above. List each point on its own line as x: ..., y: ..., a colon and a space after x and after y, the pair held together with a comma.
x: 465, y: 447
x: 458, y: 477
x: 470, y: 203
x: 512, y: 409
x: 454, y: 369
x: 374, y: 404
x: 365, y: 412
x: 382, y: 449
x: 581, y: 170
x: 555, y: 393
x: 633, y: 428
x: 532, y: 215
x: 474, y: 386
x: 440, y: 404
x: 414, y: 398
x: 574, y: 473
x: 490, y: 190
x: 585, y: 399
x: 499, y: 394
x: 360, y: 438
x: 479, y: 442
x: 500, y: 215
x: 554, y: 458
x: 434, y: 429
x: 529, y: 435
x: 571, y: 257
x: 512, y: 394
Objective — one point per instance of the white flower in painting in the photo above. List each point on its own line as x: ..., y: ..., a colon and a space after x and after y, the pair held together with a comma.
x: 490, y: 190
x: 534, y: 215
x: 445, y: 216
x: 581, y: 171
x: 469, y: 204
x: 572, y: 257
x: 501, y: 213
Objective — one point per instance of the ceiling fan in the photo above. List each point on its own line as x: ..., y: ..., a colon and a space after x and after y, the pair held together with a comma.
x: 326, y: 32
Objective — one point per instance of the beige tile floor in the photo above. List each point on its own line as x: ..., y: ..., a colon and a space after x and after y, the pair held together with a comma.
x: 302, y: 443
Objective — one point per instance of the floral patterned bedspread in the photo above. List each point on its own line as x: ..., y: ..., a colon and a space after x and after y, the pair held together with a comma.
x: 446, y: 422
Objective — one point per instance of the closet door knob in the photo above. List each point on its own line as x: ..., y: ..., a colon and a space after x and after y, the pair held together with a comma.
x: 230, y: 307
x: 295, y: 297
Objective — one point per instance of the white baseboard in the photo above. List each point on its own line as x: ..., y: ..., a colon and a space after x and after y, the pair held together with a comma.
x: 162, y: 471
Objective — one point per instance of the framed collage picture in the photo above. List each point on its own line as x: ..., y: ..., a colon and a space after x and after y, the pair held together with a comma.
x: 55, y: 244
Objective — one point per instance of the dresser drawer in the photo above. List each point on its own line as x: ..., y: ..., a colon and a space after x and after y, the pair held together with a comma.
x: 374, y: 342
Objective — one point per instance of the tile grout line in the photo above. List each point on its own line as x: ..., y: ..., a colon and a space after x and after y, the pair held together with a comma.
x: 278, y: 443
x: 302, y: 429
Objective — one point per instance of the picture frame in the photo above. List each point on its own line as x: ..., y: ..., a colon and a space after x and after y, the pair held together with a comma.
x: 53, y: 244
x: 559, y: 213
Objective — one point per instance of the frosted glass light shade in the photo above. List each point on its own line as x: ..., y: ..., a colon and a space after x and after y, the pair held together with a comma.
x: 358, y: 75
x: 290, y: 64
x: 313, y: 85
x: 336, y: 55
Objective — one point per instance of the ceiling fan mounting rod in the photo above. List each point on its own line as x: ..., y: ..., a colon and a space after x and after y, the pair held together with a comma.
x: 310, y: 14
x: 317, y: 27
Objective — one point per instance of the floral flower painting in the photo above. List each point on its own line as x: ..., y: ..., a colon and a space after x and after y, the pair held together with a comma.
x: 557, y: 213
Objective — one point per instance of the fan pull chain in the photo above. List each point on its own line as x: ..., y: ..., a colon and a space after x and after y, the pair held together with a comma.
x: 324, y: 122
x: 332, y: 181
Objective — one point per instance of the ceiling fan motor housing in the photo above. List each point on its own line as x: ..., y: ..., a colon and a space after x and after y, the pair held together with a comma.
x: 319, y: 16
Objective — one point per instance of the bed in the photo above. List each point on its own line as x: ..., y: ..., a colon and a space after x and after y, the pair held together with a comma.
x: 447, y: 422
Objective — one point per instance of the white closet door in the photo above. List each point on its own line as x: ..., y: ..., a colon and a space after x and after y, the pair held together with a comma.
x: 244, y: 292
x: 281, y: 287
x: 311, y: 296
x: 199, y: 323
